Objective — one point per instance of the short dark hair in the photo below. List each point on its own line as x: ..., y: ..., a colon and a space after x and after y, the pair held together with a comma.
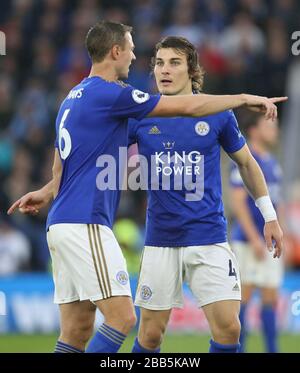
x: 248, y: 120
x: 183, y: 46
x: 103, y: 36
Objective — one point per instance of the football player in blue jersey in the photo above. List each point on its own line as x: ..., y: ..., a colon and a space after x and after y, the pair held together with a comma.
x: 185, y: 225
x: 89, y: 269
x: 257, y: 267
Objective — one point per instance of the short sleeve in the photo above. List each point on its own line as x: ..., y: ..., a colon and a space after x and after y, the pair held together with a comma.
x: 132, y: 103
x: 231, y: 137
x: 235, y: 178
x: 132, y: 128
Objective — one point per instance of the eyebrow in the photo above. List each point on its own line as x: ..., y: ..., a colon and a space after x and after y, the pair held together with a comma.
x: 171, y: 59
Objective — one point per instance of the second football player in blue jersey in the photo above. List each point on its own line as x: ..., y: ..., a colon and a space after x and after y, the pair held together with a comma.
x: 185, y: 226
x: 258, y: 269
x: 89, y: 267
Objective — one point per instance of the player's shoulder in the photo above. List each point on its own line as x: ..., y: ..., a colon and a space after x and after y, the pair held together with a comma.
x: 223, y: 115
x: 99, y: 83
x: 107, y: 91
x: 218, y: 120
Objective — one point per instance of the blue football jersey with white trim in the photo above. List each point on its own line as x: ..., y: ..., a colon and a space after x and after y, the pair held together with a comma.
x: 182, y: 157
x: 91, y: 127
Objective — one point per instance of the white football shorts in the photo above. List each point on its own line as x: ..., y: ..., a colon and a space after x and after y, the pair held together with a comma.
x: 266, y: 273
x: 211, y: 272
x: 87, y: 263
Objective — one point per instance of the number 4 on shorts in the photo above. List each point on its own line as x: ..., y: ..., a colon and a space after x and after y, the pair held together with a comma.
x: 232, y: 271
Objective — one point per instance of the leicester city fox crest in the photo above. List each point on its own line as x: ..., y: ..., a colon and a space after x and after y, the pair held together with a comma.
x: 122, y: 277
x: 202, y: 128
x: 146, y: 292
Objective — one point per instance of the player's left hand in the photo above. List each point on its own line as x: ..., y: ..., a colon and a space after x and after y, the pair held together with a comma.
x: 273, y: 232
x: 30, y: 203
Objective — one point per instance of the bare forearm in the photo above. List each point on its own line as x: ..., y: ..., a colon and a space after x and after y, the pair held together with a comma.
x: 56, y: 172
x: 196, y: 105
x: 50, y: 190
x: 47, y: 190
x: 201, y: 105
x: 207, y: 104
x: 253, y: 179
x: 56, y: 183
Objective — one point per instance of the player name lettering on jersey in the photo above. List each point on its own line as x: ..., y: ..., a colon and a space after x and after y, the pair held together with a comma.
x: 75, y: 93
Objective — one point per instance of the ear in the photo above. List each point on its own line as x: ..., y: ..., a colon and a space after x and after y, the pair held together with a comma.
x: 115, y: 51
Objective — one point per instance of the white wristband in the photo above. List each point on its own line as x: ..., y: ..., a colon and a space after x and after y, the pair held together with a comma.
x: 265, y: 206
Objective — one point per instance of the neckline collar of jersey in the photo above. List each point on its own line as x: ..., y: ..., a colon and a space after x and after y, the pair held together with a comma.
x: 99, y: 77
x: 94, y: 77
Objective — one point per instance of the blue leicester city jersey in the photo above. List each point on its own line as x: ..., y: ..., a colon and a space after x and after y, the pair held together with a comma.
x: 272, y: 173
x: 91, y: 126
x: 180, y: 162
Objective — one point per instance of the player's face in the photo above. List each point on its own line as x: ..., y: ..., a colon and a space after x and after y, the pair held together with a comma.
x: 268, y: 131
x: 126, y: 56
x: 171, y: 72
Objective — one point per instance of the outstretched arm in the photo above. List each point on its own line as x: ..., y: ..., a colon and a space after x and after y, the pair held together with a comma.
x: 201, y: 105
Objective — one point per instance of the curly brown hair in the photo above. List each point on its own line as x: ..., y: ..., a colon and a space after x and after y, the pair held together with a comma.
x: 183, y: 46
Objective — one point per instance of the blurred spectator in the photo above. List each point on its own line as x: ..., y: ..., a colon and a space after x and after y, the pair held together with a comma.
x: 216, y: 16
x: 6, y: 101
x: 14, y: 249
x: 183, y: 24
x: 31, y: 111
x: 243, y: 37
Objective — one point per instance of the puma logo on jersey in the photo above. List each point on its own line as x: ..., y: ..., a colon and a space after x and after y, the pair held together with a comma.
x: 154, y: 131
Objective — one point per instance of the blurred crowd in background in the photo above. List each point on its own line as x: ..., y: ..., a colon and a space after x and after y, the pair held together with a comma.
x: 244, y: 46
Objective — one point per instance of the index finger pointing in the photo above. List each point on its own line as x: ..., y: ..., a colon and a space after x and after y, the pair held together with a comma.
x: 13, y: 207
x: 278, y: 99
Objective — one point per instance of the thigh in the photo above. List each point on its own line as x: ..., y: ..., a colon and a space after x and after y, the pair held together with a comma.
x: 77, y: 314
x: 93, y: 259
x: 212, y: 273
x: 64, y: 288
x: 153, y: 320
x: 160, y: 279
x: 115, y: 306
x: 119, y: 314
x: 222, y: 314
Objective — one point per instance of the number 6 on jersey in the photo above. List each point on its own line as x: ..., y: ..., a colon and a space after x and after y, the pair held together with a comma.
x: 64, y: 135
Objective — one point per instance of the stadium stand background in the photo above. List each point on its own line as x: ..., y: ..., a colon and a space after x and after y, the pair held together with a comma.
x: 244, y: 46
